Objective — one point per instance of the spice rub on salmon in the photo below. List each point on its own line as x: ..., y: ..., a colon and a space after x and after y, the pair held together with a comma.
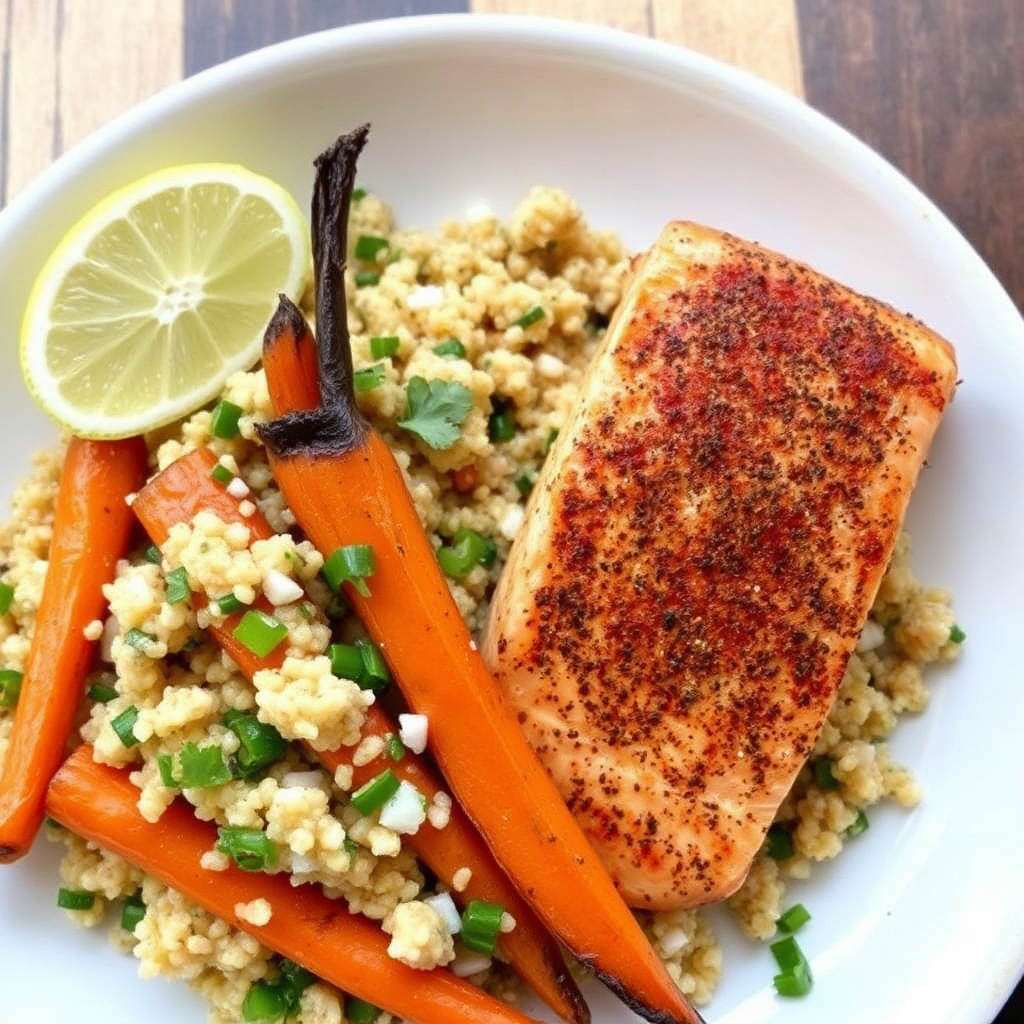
x: 702, y: 549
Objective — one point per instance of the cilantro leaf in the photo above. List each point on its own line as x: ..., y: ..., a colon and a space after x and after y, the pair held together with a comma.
x: 435, y: 410
x: 202, y: 767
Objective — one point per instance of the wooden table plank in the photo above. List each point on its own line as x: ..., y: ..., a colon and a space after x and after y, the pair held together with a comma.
x: 759, y: 37
x: 217, y: 30
x: 937, y: 86
x: 71, y: 67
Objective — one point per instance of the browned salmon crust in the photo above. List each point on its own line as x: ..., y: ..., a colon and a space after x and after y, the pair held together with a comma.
x: 703, y: 547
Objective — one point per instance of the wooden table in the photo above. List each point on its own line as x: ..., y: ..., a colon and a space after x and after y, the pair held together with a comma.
x: 937, y: 86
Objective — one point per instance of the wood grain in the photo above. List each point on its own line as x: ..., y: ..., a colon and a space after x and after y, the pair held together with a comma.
x: 937, y: 86
x: 71, y: 67
x: 628, y: 15
x: 217, y: 30
x: 758, y: 35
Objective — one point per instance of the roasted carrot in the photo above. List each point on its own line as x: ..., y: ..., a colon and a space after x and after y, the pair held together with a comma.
x: 91, y: 529
x: 344, y: 487
x: 347, y: 950
x: 185, y: 488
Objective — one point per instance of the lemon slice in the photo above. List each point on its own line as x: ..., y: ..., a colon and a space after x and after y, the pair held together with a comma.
x: 157, y: 295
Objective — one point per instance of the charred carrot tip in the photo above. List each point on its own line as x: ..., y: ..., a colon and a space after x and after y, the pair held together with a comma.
x: 354, y: 492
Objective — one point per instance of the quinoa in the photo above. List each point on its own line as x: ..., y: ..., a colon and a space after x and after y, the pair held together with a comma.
x: 527, y: 302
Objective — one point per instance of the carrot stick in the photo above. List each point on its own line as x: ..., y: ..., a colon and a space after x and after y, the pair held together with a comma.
x: 91, y: 529
x: 347, y: 950
x: 344, y: 487
x: 185, y: 488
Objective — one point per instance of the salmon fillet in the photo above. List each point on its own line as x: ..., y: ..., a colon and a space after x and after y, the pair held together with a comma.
x: 702, y: 549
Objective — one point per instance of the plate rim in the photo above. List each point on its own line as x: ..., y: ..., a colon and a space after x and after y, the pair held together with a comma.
x: 790, y: 115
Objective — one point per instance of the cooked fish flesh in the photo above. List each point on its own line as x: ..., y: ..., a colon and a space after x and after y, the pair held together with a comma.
x: 702, y: 548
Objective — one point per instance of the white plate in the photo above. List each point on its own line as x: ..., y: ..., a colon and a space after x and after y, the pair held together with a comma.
x: 923, y: 918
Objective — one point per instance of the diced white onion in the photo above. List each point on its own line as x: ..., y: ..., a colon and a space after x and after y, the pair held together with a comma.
x: 445, y: 906
x: 871, y: 636
x: 467, y: 963
x: 404, y: 812
x: 511, y: 521
x: 302, y: 865
x: 673, y: 941
x: 412, y: 730
x: 423, y: 296
x: 549, y: 366
x: 280, y: 589
x: 302, y: 780
x: 238, y: 488
x: 111, y: 630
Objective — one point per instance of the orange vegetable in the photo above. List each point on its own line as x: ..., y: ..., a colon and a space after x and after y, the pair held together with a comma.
x: 348, y: 950
x: 91, y: 529
x: 185, y: 488
x: 344, y: 487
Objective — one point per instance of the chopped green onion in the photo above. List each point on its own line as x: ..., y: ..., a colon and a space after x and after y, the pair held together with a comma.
x: 824, y: 775
x: 152, y: 554
x: 202, y: 767
x: 102, y: 690
x: 368, y: 246
x: 376, y: 793
x: 359, y: 1011
x: 259, y: 632
x: 132, y: 912
x: 550, y: 439
x: 375, y: 669
x: 296, y: 978
x: 524, y: 484
x: 346, y: 661
x: 780, y: 843
x: 139, y: 640
x: 75, y: 899
x: 531, y: 316
x: 468, y: 549
x: 794, y: 919
x: 249, y: 848
x: 481, y: 924
x: 957, y: 635
x: 501, y: 426
x: 350, y: 564
x: 178, y: 587
x: 795, y: 979
x: 228, y: 604
x: 222, y: 474
x: 224, y: 420
x: 860, y: 824
x: 10, y: 687
x: 369, y: 377
x: 351, y: 846
x: 794, y: 984
x: 306, y: 611
x: 52, y: 823
x: 367, y: 277
x: 451, y: 348
x: 264, y: 1003
x: 6, y: 596
x: 123, y: 725
x: 165, y: 762
x: 260, y: 745
x: 384, y: 346
x: 787, y: 953
x: 395, y: 747
x: 363, y: 663
x: 357, y: 194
